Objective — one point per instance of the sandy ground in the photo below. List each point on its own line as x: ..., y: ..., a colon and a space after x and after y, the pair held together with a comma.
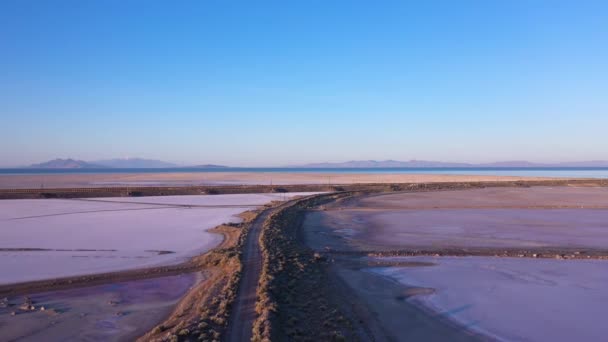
x: 460, y: 297
x: 535, y: 197
x: 463, y: 228
x: 514, y: 299
x: 113, y: 312
x: 493, y: 217
x: 224, y: 178
x: 50, y: 238
x: 379, y: 302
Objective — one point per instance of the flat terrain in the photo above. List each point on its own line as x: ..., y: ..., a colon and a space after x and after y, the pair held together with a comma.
x: 36, y: 181
x: 440, y: 297
x: 358, y: 258
x: 114, y: 312
x: 462, y: 228
x: 514, y: 299
x: 50, y: 238
x: 89, y: 236
x: 493, y: 198
x: 574, y: 217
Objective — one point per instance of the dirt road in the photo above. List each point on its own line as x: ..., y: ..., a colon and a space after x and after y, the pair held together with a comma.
x: 243, y: 315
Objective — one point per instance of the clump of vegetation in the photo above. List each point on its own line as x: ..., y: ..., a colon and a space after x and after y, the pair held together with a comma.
x: 293, y: 295
x: 159, y: 329
x: 207, y: 317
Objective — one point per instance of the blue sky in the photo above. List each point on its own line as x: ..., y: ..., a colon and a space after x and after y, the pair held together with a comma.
x: 285, y: 82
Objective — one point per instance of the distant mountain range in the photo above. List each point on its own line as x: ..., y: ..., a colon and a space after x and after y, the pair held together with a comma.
x: 206, y: 166
x: 134, y: 163
x: 66, y: 164
x: 118, y: 163
x: 437, y: 164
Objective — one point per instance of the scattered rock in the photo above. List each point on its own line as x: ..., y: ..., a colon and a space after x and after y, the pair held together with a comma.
x: 50, y: 311
x: 13, y: 313
x: 28, y: 305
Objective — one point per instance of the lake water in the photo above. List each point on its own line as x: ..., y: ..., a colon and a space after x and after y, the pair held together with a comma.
x: 574, y: 172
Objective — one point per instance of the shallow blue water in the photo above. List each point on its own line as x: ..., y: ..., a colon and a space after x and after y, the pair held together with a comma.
x: 575, y: 172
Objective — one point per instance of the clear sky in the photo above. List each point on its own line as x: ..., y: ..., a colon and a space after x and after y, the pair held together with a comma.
x: 270, y: 83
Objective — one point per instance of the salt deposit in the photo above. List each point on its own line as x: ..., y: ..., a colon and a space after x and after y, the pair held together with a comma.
x: 514, y: 299
x: 50, y: 238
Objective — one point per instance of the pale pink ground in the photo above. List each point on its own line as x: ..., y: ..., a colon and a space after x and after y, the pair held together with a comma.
x: 116, y: 233
x: 515, y: 299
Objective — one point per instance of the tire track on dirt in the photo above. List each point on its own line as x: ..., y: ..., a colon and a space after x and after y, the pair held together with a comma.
x: 240, y: 326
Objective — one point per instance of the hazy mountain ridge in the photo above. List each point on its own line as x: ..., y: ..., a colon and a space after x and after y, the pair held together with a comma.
x: 117, y: 163
x: 207, y: 166
x: 439, y: 164
x: 66, y: 164
x: 383, y: 164
x: 134, y: 163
